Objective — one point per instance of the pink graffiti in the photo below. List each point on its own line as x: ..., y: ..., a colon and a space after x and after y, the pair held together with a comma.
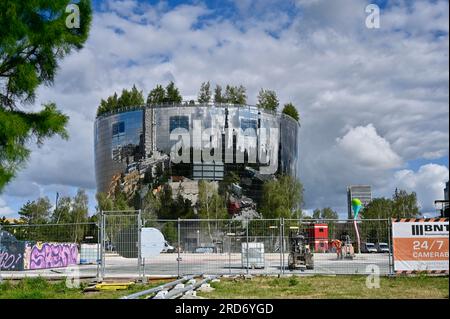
x: 9, y: 261
x: 53, y: 255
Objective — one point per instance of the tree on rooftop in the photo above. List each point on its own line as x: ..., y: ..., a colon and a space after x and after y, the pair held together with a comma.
x: 134, y: 97
x: 157, y: 95
x: 218, y: 97
x: 204, y: 96
x: 128, y: 98
x: 290, y: 110
x: 235, y: 94
x: 268, y: 100
x: 172, y: 94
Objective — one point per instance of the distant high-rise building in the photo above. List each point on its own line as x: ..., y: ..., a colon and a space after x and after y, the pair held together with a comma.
x: 362, y: 192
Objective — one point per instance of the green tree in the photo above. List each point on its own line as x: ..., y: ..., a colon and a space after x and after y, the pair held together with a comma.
x: 108, y: 105
x: 133, y: 97
x: 172, y: 94
x: 36, y: 212
x: 204, y: 96
x: 151, y: 204
x: 33, y: 39
x: 210, y: 204
x: 104, y: 203
x: 61, y: 215
x: 218, y: 97
x: 157, y: 95
x: 290, y: 110
x: 374, y: 230
x: 166, y: 200
x: 282, y: 197
x: 79, y: 215
x: 127, y: 98
x: 235, y: 95
x: 325, y: 213
x: 378, y: 208
x: 268, y: 100
x: 4, y: 221
x: 404, y: 204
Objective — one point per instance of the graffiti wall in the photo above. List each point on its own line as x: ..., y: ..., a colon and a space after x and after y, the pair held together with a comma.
x: 11, y: 252
x: 50, y: 255
x: 23, y: 255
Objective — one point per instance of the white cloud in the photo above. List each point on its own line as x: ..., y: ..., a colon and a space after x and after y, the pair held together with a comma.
x: 345, y: 79
x: 4, y: 209
x: 428, y: 182
x: 365, y: 147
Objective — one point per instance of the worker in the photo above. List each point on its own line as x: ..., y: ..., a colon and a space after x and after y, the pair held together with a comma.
x: 338, y: 245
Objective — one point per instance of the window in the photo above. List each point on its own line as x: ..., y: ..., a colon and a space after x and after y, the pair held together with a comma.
x: 179, y: 122
x: 118, y: 128
x: 320, y: 230
x: 248, y: 123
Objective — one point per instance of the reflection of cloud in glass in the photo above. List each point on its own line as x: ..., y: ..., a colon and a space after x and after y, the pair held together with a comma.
x: 263, y: 141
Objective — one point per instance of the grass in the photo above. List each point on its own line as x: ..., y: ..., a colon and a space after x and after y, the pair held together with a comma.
x: 257, y: 287
x: 40, y: 288
x: 327, y: 287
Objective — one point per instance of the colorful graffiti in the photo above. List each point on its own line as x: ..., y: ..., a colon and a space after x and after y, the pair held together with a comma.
x: 11, y: 261
x: 11, y: 252
x: 50, y: 255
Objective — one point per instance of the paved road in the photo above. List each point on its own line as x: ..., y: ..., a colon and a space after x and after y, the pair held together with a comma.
x: 166, y: 265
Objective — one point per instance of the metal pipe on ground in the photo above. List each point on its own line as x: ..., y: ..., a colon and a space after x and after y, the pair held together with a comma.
x: 159, y: 288
x: 174, y: 293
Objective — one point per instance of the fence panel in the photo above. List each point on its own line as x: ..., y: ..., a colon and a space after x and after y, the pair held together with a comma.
x: 211, y: 246
x: 49, y: 249
x: 214, y: 246
x: 121, y: 244
x: 335, y: 246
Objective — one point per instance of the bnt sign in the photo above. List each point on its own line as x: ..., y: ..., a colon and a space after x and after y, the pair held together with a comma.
x: 420, y: 244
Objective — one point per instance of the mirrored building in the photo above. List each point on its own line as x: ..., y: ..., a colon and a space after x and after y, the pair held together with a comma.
x: 196, y: 141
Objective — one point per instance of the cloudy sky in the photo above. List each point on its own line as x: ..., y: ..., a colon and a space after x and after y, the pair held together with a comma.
x: 374, y: 103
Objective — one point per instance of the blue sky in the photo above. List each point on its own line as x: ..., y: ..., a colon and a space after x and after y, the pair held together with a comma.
x: 373, y: 102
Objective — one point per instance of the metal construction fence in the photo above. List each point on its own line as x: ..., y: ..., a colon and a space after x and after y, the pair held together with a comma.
x: 112, y: 247
x: 256, y: 246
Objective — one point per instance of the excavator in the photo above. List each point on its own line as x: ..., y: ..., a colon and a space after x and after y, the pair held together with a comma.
x: 300, y: 255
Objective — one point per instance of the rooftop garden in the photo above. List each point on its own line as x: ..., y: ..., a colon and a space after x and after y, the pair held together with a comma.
x: 267, y: 99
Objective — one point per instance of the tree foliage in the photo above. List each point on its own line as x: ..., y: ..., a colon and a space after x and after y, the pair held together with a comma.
x: 218, y: 96
x: 172, y: 94
x: 160, y: 95
x: 156, y: 96
x: 36, y: 212
x: 268, y: 100
x: 204, y: 96
x: 282, y: 197
x: 325, y: 213
x: 290, y: 110
x: 235, y: 95
x: 132, y: 97
x: 401, y: 205
x: 33, y: 39
x: 17, y: 128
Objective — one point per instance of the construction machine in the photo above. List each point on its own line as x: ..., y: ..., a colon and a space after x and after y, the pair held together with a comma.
x: 347, y: 247
x: 300, y: 255
x: 344, y: 247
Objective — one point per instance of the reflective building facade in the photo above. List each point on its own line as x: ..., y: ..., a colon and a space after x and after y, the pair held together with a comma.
x: 195, y: 141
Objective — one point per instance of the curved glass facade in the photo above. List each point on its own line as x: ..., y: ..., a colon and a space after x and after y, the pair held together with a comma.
x: 195, y: 142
